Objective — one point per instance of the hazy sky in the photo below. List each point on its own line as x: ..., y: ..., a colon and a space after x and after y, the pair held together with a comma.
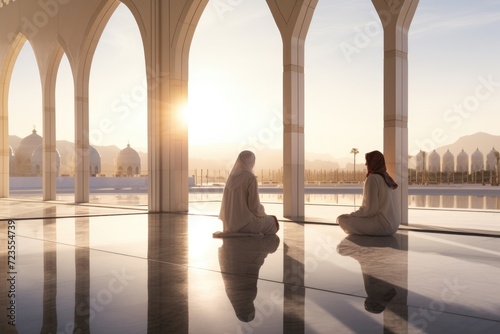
x: 235, y: 79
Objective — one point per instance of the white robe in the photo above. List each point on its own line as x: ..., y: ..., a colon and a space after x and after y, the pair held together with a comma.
x: 378, y: 214
x: 241, y: 204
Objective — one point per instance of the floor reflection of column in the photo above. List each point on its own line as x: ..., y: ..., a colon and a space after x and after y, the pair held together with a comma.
x: 293, y: 278
x: 396, y: 313
x: 168, y: 308
x: 5, y: 300
x: 49, y: 322
x: 82, y: 273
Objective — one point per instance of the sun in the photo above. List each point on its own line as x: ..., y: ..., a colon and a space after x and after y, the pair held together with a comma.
x: 207, y: 114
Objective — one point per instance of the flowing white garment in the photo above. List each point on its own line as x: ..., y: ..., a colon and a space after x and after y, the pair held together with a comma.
x: 378, y: 214
x: 240, y: 200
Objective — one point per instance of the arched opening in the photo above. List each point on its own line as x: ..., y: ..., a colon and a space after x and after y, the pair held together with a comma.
x: 118, y: 96
x: 65, y: 130
x: 25, y: 123
x: 235, y: 94
x: 343, y: 100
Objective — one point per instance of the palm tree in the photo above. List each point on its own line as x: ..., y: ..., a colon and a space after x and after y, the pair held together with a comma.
x: 354, y: 151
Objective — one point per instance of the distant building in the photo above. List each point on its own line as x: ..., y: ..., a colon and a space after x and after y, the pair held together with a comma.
x: 23, y: 154
x: 128, y: 162
x: 95, y: 161
x: 420, y: 157
x: 491, y: 160
x: 463, y: 162
x: 448, y: 162
x: 477, y: 161
x: 37, y: 162
x: 434, y: 164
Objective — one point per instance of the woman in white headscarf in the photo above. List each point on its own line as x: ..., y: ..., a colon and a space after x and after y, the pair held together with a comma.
x: 241, y: 210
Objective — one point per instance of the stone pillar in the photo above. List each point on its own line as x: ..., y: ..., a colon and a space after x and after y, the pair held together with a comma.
x: 82, y: 175
x: 49, y: 168
x: 293, y: 19
x: 167, y: 58
x: 6, y: 66
x: 396, y: 17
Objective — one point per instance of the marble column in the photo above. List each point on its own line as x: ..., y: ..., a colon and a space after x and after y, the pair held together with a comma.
x: 49, y: 168
x: 293, y: 19
x: 396, y: 17
x: 167, y: 57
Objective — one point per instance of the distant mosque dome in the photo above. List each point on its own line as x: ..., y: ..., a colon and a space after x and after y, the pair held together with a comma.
x: 477, y: 161
x: 95, y: 161
x: 491, y: 160
x: 463, y: 162
x: 11, y: 160
x: 448, y: 162
x: 128, y: 162
x: 37, y: 161
x: 420, y: 157
x: 22, y: 157
x: 434, y: 162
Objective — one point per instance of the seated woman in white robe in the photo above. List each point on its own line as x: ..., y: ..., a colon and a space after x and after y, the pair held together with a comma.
x: 378, y: 214
x: 241, y: 210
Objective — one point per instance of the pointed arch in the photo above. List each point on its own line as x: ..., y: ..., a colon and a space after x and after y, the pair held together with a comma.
x: 9, y: 61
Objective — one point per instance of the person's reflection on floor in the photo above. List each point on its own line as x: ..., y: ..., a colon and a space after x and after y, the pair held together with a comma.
x: 240, y: 260
x: 378, y: 257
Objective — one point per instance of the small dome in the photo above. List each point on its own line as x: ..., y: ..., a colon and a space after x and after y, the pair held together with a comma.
x: 128, y: 162
x: 95, y: 161
x: 462, y: 162
x: 434, y: 164
x: 22, y: 156
x: 420, y: 157
x: 477, y: 161
x: 448, y: 162
x: 491, y: 160
x: 37, y: 161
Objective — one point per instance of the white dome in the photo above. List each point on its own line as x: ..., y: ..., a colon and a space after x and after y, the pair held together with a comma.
x: 128, y: 162
x: 477, y: 161
x: 448, y: 162
x: 37, y: 161
x: 95, y: 161
x: 420, y: 157
x: 22, y: 157
x: 434, y: 162
x: 463, y: 162
x: 491, y: 160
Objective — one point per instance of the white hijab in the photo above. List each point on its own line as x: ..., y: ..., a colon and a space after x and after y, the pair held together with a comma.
x: 242, y: 169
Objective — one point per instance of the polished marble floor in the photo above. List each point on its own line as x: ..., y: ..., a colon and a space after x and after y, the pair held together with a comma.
x: 117, y: 269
